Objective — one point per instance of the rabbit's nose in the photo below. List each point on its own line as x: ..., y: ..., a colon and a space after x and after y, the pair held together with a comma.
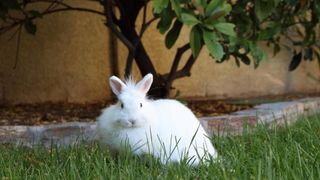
x: 132, y: 121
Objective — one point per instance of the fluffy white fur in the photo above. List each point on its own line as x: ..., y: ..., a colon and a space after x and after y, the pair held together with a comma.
x: 164, y: 128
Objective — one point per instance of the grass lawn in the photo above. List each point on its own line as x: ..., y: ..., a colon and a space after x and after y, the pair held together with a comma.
x: 280, y: 153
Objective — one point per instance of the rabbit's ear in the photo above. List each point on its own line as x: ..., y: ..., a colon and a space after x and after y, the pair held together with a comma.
x: 116, y: 85
x: 145, y: 84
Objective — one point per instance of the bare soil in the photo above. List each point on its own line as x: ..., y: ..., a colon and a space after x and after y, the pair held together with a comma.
x: 52, y: 113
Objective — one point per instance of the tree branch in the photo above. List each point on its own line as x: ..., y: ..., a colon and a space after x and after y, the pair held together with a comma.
x: 76, y: 9
x: 113, y: 56
x: 53, y: 5
x: 21, y: 21
x: 121, y: 9
x: 110, y: 23
x: 185, y: 71
x: 144, y: 17
x: 129, y: 63
x: 52, y: 2
x: 146, y: 25
x: 176, y: 61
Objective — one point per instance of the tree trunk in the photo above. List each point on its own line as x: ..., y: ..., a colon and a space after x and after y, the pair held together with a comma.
x: 144, y: 63
x: 127, y: 26
x: 159, y: 87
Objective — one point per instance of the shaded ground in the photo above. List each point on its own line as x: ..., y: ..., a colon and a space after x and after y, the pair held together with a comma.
x: 48, y: 113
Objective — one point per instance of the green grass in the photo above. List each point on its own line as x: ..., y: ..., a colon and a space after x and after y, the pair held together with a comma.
x: 290, y: 152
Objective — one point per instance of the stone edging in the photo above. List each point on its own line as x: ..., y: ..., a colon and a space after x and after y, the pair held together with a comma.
x: 269, y: 114
x: 70, y: 133
x: 60, y: 134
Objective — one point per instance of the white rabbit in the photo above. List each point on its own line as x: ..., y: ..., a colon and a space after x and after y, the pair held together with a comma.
x: 164, y: 128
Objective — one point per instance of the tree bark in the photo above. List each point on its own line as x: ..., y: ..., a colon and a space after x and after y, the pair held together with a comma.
x: 127, y: 27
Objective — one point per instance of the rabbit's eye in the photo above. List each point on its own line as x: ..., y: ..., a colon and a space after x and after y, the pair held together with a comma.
x: 141, y: 105
x: 122, y: 105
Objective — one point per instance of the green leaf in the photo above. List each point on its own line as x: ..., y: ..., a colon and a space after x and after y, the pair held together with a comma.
x: 202, y: 3
x: 212, y: 6
x: 35, y: 13
x: 166, y: 17
x: 244, y: 58
x: 227, y: 8
x: 173, y: 34
x: 214, y: 47
x: 308, y: 54
x: 218, y: 13
x: 189, y: 19
x: 295, y: 61
x: 30, y: 27
x: 176, y: 7
x: 159, y: 5
x: 263, y: 8
x: 264, y: 34
x: 215, y: 16
x: 195, y: 41
x: 226, y: 28
x: 257, y: 54
x: 225, y: 57
x: 269, y: 32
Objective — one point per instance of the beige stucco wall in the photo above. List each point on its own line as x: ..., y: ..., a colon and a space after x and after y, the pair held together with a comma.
x: 68, y: 60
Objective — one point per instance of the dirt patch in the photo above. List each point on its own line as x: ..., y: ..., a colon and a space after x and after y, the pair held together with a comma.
x: 215, y: 108
x: 51, y: 113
